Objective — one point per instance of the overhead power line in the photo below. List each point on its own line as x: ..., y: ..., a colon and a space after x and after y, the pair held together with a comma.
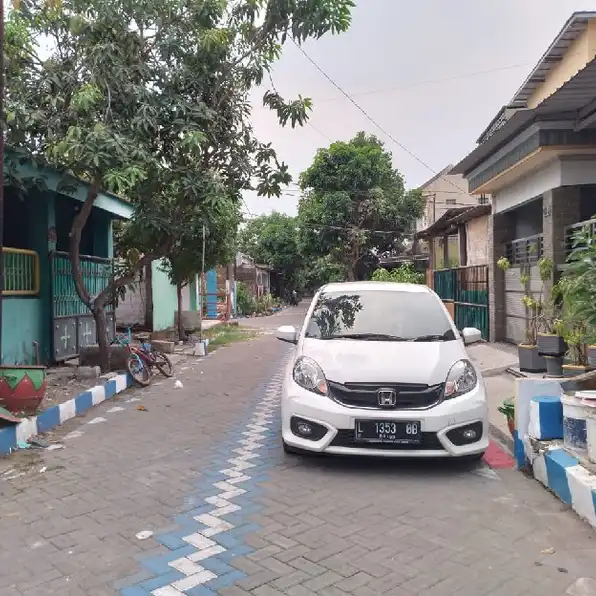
x: 373, y: 121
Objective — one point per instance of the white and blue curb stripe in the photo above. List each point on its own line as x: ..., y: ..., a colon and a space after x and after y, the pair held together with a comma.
x: 13, y: 436
x: 546, y: 418
x: 562, y: 474
x: 194, y: 558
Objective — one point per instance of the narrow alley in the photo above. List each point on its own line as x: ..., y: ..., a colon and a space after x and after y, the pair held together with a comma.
x: 191, y: 493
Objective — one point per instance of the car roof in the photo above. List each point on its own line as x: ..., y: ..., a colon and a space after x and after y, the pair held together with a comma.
x: 367, y: 286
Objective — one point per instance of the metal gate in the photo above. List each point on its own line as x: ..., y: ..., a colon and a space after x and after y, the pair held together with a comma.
x: 73, y: 326
x: 523, y: 255
x: 467, y: 287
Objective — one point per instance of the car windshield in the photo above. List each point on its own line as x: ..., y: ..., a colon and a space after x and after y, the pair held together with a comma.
x: 379, y: 315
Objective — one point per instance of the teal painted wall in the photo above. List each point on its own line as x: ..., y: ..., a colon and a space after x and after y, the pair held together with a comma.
x: 22, y: 324
x: 165, y: 302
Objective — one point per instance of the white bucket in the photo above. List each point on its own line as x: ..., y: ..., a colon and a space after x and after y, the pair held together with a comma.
x: 574, y: 423
x: 200, y: 349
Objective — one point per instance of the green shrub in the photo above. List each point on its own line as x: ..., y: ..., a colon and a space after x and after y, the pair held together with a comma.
x: 406, y: 274
x: 245, y: 301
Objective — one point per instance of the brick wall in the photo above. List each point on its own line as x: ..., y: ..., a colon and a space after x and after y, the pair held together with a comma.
x: 500, y: 231
x: 477, y: 241
x: 561, y: 208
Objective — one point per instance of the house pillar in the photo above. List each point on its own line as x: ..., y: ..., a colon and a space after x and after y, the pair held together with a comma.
x: 560, y: 208
x: 463, y: 245
x: 500, y: 231
x: 445, y: 252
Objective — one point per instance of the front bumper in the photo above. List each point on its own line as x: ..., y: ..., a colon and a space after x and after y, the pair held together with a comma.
x: 339, y: 424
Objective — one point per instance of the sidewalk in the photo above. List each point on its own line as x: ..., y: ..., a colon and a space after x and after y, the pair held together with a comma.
x: 494, y: 360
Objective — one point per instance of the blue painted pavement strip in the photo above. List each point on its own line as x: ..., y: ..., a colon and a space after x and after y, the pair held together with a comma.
x: 211, y: 532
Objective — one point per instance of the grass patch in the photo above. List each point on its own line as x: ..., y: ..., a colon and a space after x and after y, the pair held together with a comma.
x: 224, y: 335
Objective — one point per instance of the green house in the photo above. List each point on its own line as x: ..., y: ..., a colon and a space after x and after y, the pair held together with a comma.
x: 43, y: 320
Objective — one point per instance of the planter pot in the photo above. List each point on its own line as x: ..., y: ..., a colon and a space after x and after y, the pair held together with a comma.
x: 574, y: 423
x: 22, y: 388
x: 573, y: 370
x: 530, y: 360
x: 592, y: 355
x: 554, y: 366
x: 551, y: 345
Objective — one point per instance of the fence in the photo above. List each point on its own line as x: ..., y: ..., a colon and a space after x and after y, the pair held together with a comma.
x: 21, y: 272
x: 467, y: 288
x: 589, y: 224
x: 525, y: 250
x: 72, y: 322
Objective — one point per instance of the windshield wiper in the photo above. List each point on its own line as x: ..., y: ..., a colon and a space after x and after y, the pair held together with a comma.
x: 368, y: 337
x: 447, y: 336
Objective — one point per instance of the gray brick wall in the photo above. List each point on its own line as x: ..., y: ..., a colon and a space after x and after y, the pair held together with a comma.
x: 561, y: 208
x: 500, y: 231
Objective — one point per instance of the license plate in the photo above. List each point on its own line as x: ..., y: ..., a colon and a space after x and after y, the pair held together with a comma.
x: 388, y: 431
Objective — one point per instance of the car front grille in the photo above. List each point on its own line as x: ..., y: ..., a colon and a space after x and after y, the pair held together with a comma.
x: 409, y: 396
x: 345, y: 438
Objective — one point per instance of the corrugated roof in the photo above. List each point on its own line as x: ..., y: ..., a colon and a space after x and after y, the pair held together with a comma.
x: 572, y: 29
x: 567, y: 101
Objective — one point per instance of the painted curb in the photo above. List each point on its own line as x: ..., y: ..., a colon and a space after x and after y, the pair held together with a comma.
x: 562, y: 474
x: 501, y: 437
x: 10, y: 437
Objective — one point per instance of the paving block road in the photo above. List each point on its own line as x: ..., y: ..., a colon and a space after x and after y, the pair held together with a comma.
x: 167, y: 491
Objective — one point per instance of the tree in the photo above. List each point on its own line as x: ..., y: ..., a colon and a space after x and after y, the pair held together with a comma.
x: 318, y: 272
x: 151, y: 100
x: 187, y: 260
x: 273, y: 240
x: 354, y: 203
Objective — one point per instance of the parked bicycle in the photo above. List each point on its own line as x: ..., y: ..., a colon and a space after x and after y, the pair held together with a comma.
x: 142, y: 359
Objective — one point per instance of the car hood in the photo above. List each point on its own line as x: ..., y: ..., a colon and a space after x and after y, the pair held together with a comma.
x: 357, y: 361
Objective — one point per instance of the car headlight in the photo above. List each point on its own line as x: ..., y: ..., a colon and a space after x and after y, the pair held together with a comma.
x: 308, y: 374
x: 461, y: 379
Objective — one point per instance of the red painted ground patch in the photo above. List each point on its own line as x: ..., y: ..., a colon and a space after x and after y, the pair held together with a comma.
x: 497, y: 458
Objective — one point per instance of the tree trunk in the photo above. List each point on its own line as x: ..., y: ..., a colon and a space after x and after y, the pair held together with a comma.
x: 101, y: 324
x: 181, y: 331
x: 75, y: 241
x: 148, y: 297
x: 351, y: 271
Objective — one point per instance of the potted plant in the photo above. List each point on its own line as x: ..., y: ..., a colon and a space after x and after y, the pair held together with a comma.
x: 575, y: 336
x: 549, y: 337
x: 22, y: 387
x: 530, y: 360
x: 508, y: 410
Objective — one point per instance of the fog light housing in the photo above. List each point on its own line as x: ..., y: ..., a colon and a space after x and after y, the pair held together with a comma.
x: 465, y: 435
x: 307, y: 429
x: 304, y: 429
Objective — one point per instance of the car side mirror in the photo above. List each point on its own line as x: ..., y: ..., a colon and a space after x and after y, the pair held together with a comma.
x: 471, y: 335
x: 288, y: 334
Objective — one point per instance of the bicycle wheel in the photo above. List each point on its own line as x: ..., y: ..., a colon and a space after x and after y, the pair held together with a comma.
x: 138, y: 370
x: 163, y: 364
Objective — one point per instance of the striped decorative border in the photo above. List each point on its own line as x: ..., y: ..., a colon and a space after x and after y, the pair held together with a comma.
x: 194, y: 558
x: 562, y: 474
x: 12, y: 436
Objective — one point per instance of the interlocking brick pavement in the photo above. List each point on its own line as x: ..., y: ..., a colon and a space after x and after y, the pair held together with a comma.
x: 305, y: 526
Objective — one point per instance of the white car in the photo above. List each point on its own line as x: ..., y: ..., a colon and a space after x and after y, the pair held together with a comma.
x: 380, y: 369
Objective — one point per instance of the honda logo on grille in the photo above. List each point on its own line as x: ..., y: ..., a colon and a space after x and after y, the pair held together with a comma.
x: 386, y: 398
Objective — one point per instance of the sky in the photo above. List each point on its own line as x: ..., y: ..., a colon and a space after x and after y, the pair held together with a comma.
x: 431, y: 73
